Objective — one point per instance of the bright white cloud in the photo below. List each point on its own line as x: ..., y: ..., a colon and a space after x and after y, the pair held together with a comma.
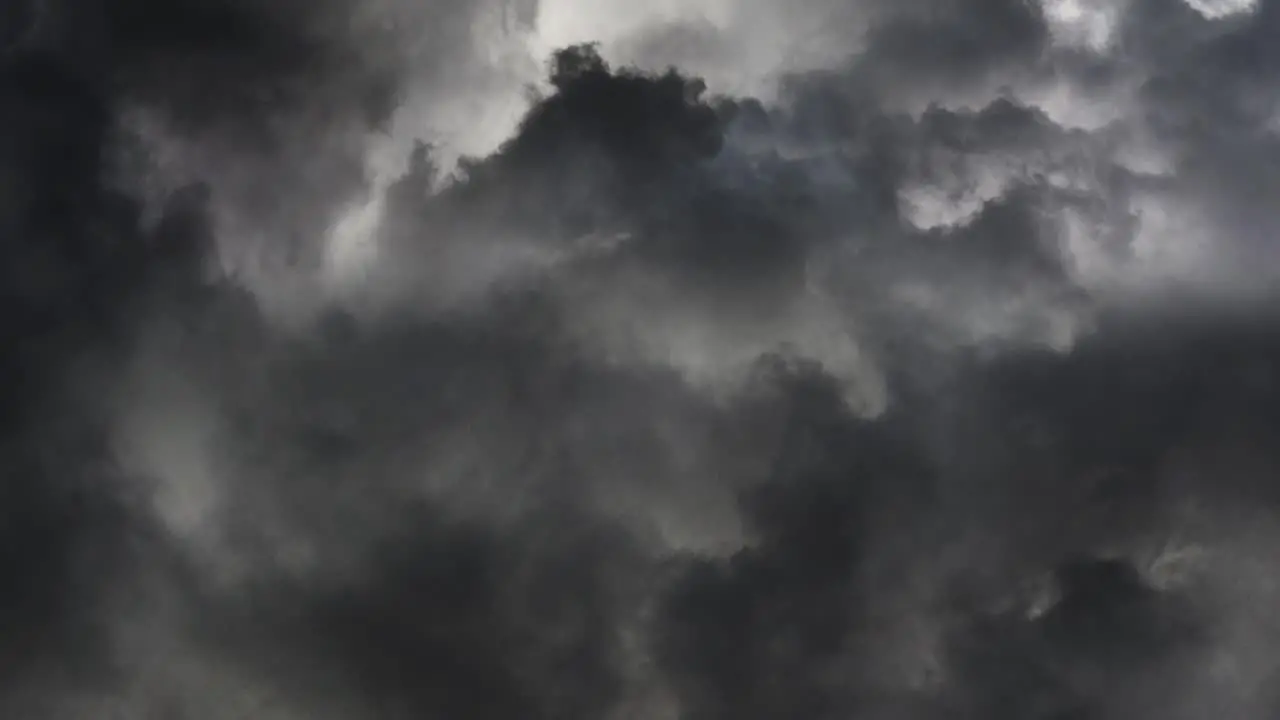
x: 1219, y: 9
x: 1084, y: 23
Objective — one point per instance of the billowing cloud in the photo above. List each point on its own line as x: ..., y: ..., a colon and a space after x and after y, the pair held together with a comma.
x: 395, y: 359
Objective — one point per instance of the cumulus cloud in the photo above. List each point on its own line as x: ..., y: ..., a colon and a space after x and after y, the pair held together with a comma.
x: 393, y: 359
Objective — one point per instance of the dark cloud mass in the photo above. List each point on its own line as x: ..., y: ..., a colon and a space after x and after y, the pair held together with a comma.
x: 942, y: 383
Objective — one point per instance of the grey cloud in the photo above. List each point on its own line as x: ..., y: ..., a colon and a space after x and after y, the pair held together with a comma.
x: 882, y: 397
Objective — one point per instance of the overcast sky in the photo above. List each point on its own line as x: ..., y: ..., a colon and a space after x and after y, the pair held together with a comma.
x: 715, y: 360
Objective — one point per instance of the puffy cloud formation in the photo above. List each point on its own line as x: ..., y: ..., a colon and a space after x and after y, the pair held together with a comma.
x: 930, y: 372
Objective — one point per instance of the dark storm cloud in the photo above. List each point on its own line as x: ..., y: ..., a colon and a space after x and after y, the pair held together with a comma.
x: 941, y: 50
x: 872, y: 401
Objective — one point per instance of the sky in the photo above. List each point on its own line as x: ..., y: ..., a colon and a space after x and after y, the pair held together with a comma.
x: 716, y: 360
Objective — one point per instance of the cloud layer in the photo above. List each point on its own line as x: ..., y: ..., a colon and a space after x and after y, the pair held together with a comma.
x: 918, y: 362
